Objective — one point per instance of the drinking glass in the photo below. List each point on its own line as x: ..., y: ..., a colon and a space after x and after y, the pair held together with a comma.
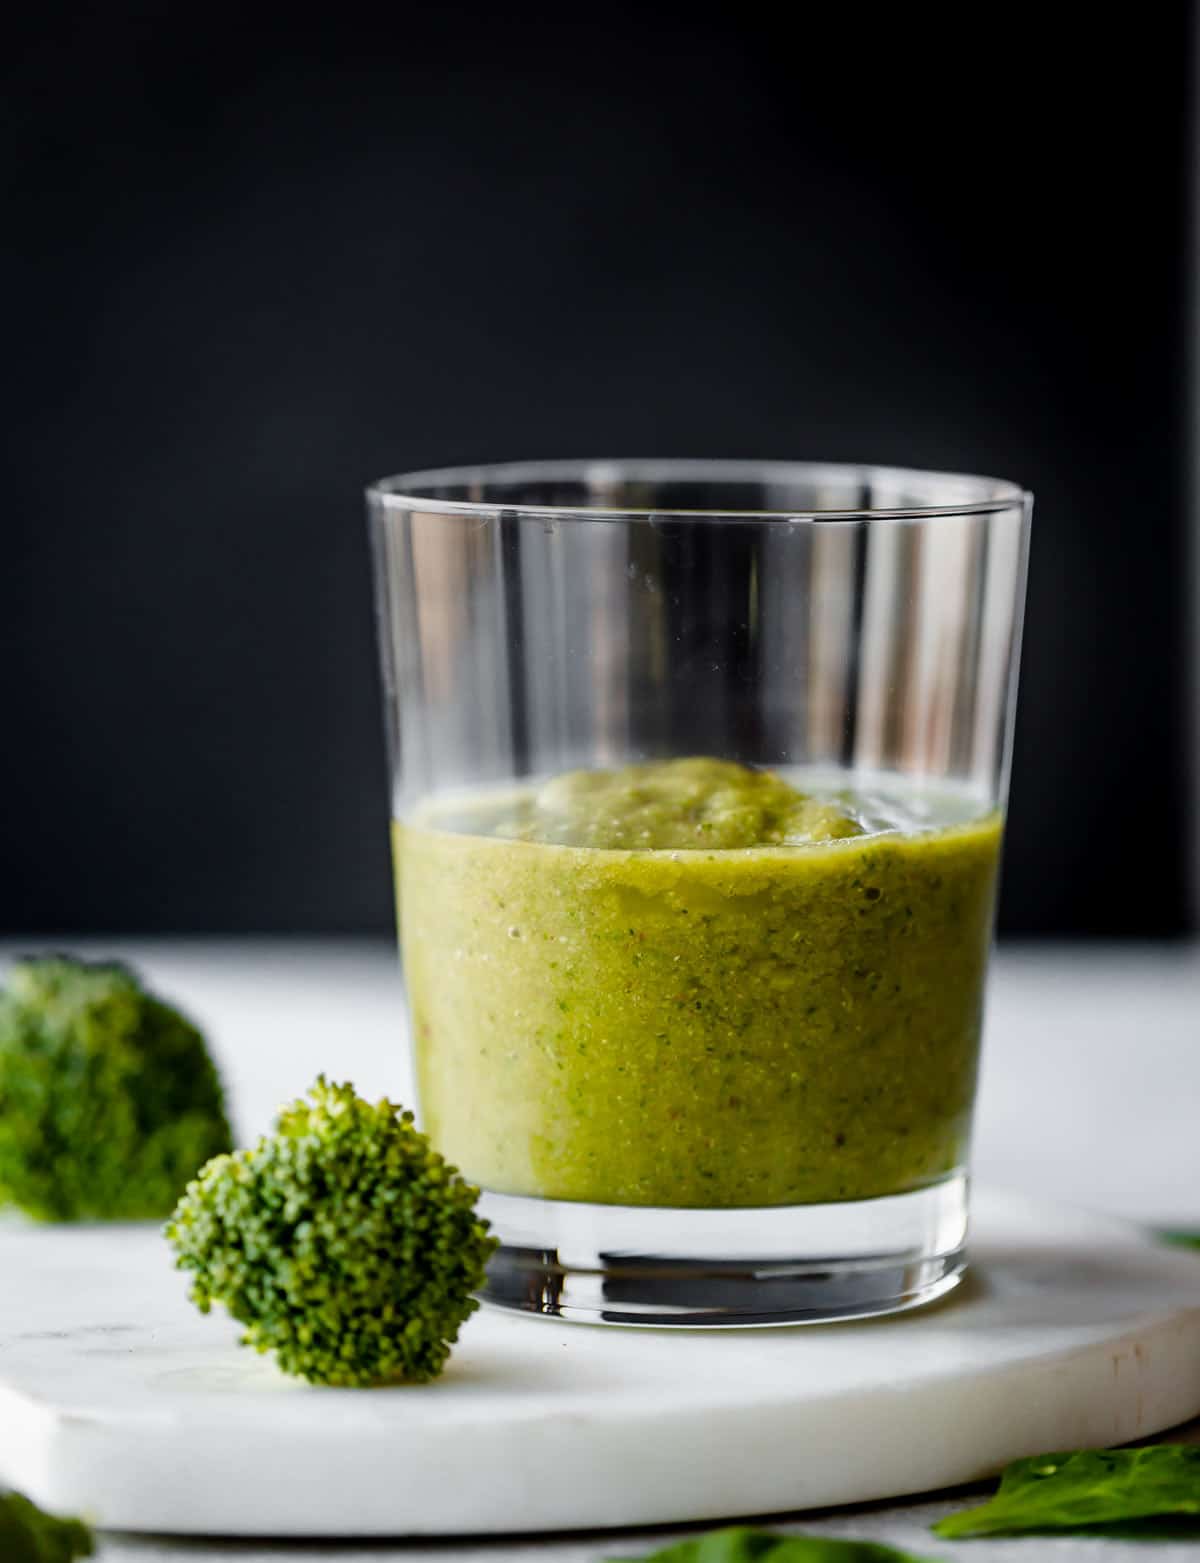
x: 698, y: 777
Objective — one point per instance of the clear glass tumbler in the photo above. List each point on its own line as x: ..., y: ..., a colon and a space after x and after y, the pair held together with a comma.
x: 699, y: 773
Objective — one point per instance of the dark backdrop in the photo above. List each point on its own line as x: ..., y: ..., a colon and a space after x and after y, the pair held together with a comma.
x: 257, y: 260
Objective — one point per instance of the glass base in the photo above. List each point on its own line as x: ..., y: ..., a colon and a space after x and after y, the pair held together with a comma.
x: 790, y: 1264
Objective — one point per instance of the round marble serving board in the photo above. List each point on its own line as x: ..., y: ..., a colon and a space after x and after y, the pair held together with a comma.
x: 119, y: 1401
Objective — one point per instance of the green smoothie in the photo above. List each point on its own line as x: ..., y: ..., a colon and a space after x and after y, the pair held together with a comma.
x: 690, y: 983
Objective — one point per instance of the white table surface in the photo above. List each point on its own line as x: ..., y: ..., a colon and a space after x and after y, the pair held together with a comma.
x: 1090, y: 1091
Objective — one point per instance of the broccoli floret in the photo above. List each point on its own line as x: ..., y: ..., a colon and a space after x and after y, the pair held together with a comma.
x: 109, y: 1101
x: 29, y: 1535
x: 343, y: 1242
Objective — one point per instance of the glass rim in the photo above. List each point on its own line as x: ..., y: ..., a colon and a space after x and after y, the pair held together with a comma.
x: 933, y: 493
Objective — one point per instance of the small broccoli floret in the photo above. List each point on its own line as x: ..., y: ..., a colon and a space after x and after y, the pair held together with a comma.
x: 29, y: 1535
x: 109, y: 1101
x: 343, y: 1242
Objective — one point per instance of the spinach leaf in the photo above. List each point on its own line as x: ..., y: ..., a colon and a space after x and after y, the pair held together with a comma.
x: 1182, y: 1239
x: 1085, y: 1488
x: 29, y: 1535
x: 740, y: 1544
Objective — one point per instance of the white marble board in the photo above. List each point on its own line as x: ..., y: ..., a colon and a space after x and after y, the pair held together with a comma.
x: 119, y: 1401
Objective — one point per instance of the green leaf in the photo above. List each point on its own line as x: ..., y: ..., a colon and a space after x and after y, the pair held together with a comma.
x: 1086, y: 1488
x: 1182, y: 1239
x: 739, y: 1544
x: 29, y: 1535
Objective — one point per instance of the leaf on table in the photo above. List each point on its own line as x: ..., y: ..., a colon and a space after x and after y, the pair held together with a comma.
x: 740, y: 1544
x: 1085, y: 1488
x: 30, y: 1535
x: 1182, y: 1239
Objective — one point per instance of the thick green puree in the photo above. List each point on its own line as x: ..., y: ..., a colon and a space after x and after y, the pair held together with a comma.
x: 689, y: 983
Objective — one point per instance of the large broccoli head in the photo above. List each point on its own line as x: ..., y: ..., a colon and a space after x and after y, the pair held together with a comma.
x: 343, y: 1242
x: 109, y: 1101
x: 29, y: 1535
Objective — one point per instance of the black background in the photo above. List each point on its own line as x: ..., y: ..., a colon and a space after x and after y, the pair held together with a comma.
x: 256, y: 260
